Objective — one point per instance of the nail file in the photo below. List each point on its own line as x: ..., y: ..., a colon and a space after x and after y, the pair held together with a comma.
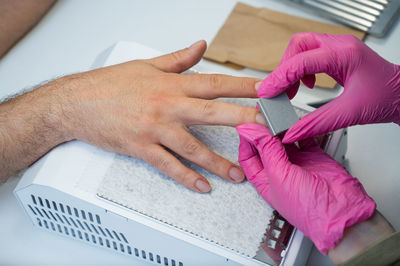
x: 278, y: 112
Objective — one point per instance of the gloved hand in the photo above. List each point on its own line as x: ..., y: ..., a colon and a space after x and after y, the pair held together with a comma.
x: 307, y: 187
x: 371, y: 84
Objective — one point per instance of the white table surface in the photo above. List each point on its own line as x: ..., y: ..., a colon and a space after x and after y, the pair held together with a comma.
x: 74, y: 32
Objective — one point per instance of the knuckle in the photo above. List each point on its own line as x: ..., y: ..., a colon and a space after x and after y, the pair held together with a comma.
x: 191, y: 147
x: 245, y: 114
x: 164, y: 78
x: 164, y: 164
x: 247, y: 84
x: 178, y: 58
x: 214, y: 81
x: 159, y: 162
x: 208, y: 108
x: 137, y: 150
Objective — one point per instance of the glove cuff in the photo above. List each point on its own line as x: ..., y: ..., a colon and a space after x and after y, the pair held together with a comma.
x: 333, y: 233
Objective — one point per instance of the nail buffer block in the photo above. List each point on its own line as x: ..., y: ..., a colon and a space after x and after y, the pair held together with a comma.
x: 278, y: 112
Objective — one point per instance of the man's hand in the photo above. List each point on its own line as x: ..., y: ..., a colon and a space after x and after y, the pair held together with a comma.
x: 140, y: 108
x: 306, y: 186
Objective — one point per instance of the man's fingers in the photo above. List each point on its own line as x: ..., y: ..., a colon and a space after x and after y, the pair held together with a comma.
x: 211, y: 112
x: 183, y: 143
x: 211, y: 86
x: 296, y: 68
x: 172, y: 167
x: 181, y: 60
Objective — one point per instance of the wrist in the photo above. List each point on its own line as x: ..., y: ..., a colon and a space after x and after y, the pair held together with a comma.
x: 360, y: 237
x: 63, y: 115
x: 30, y: 126
x: 50, y: 109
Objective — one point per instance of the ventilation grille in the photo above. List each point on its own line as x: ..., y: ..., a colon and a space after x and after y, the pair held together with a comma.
x: 372, y: 16
x: 86, y: 226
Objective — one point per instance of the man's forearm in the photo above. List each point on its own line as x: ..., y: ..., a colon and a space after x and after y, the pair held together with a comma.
x: 17, y: 17
x: 120, y: 109
x: 29, y: 127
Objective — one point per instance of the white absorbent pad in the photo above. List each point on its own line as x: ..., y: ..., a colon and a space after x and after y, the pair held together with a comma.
x: 232, y: 215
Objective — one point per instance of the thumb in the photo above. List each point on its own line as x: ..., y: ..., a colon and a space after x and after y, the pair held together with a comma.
x: 330, y: 117
x: 181, y: 60
x: 251, y: 157
x: 251, y: 164
x: 270, y: 149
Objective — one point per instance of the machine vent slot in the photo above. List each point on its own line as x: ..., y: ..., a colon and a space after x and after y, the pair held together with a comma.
x: 30, y: 207
x: 65, y: 210
x: 86, y: 226
x: 33, y: 200
x: 83, y: 215
x: 45, y: 213
x: 55, y: 206
x: 76, y: 213
x: 40, y: 202
x: 37, y: 209
x: 47, y: 203
x: 69, y: 210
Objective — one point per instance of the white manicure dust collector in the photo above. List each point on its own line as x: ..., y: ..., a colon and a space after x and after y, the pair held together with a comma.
x: 97, y: 197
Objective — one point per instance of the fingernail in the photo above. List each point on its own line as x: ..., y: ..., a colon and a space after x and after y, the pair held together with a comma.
x: 260, y: 119
x: 202, y: 186
x: 196, y: 44
x: 257, y: 85
x: 236, y: 174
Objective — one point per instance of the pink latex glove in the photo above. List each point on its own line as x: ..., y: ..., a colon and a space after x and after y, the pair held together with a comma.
x: 371, y: 84
x: 306, y: 186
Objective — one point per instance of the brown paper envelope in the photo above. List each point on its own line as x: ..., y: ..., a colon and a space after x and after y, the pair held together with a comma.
x: 258, y: 37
